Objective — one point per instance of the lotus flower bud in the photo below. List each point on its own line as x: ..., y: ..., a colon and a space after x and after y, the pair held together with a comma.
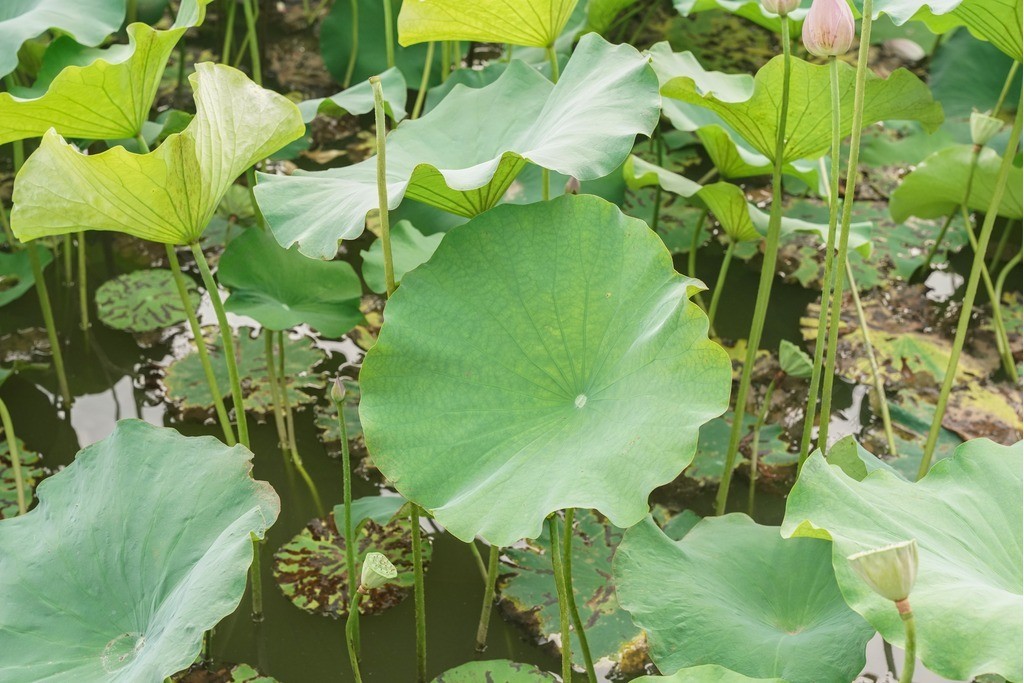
x: 984, y: 127
x: 890, y: 570
x: 338, y: 391
x: 572, y: 185
x: 780, y: 7
x: 377, y: 571
x: 829, y: 28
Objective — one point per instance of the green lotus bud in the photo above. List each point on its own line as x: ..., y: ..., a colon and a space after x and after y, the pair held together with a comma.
x: 984, y: 127
x: 377, y: 571
x: 338, y: 391
x: 890, y: 570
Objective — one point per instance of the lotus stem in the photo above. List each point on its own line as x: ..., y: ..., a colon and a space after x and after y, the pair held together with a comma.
x: 475, y: 552
x: 229, y: 32
x: 972, y: 290
x: 389, y: 33
x: 419, y: 594
x: 1006, y: 88
x: 553, y: 61
x: 290, y: 426
x: 256, y: 578
x: 938, y: 241
x: 204, y: 355
x: 275, y: 390
x: 350, y: 539
x: 350, y: 631
x: 563, y: 600
x: 755, y: 445
x: 764, y: 289
x: 83, y: 282
x: 1001, y: 280
x: 485, y: 612
x: 997, y: 255
x: 570, y: 595
x: 890, y: 660
x: 353, y: 55
x: 691, y: 256
x: 446, y: 60
x: 131, y: 12
x: 910, y: 647
x: 12, y: 448
x: 659, y: 150
x: 856, y: 124
x: 68, y: 258
x: 828, y: 276
x: 51, y: 326
x: 253, y: 40
x: 382, y: 183
x: 720, y: 283
x: 421, y: 94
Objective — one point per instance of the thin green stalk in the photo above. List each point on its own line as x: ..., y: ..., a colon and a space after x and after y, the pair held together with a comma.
x: 938, y: 242
x: 1004, y: 238
x: 720, y: 283
x: 909, y: 647
x: 421, y: 94
x: 1001, y: 280
x: 204, y: 355
x: 68, y: 257
x: 553, y: 61
x: 289, y: 423
x: 1006, y: 88
x: 51, y: 326
x: 350, y: 543
x: 764, y: 289
x: 828, y: 276
x: 12, y: 449
x: 389, y: 33
x: 250, y: 180
x: 856, y: 124
x: 228, y: 342
x: 972, y: 289
x: 83, y: 282
x: 446, y: 59
x: 563, y: 601
x: 353, y: 54
x: 350, y: 635
x: 485, y: 612
x: 890, y: 660
x: 275, y: 390
x: 382, y: 183
x: 419, y: 594
x: 456, y: 55
x: 229, y: 32
x: 254, y: 45
x: 475, y: 552
x: 570, y: 594
x: 255, y: 576
x: 755, y: 445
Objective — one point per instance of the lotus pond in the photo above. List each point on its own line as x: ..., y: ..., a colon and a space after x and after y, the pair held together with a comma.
x: 511, y: 341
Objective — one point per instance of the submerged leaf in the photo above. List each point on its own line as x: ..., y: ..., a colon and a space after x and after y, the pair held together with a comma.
x: 495, y: 671
x: 32, y: 472
x: 135, y: 549
x: 520, y: 22
x: 143, y: 301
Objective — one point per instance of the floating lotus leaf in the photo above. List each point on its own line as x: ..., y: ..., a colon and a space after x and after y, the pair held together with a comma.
x: 984, y: 409
x: 577, y: 347
x: 706, y: 673
x: 495, y: 671
x: 937, y: 186
x: 379, y: 509
x: 359, y: 99
x: 170, y: 194
x: 709, y: 461
x: 520, y: 22
x: 310, y: 568
x: 734, y: 593
x: 135, y: 550
x: 32, y: 472
x: 911, y: 418
x: 753, y: 111
x: 143, y: 301
x: 409, y: 247
x: 965, y: 515
x: 465, y: 153
x: 90, y: 21
x: 280, y: 288
x: 187, y: 387
x: 16, y: 275
x: 530, y: 590
x: 239, y: 673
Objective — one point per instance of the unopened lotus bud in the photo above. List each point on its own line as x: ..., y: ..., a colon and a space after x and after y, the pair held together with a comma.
x: 984, y: 127
x: 377, y: 571
x: 780, y: 7
x: 338, y: 391
x: 890, y: 570
x: 572, y: 185
x: 829, y: 28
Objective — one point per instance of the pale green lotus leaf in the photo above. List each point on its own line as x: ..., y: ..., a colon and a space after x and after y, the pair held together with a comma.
x: 465, y: 153
x: 577, y: 349
x: 520, y: 22
x: 735, y: 159
x: 705, y: 673
x: 938, y: 184
x: 748, y: 9
x: 997, y: 21
x: 496, y: 671
x: 601, y: 14
x: 359, y: 99
x: 965, y: 515
x: 134, y: 551
x: 736, y: 594
x: 409, y: 249
x: 754, y: 114
x: 170, y: 194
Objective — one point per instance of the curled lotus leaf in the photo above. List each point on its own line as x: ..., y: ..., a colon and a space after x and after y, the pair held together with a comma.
x: 359, y: 99
x: 143, y: 301
x: 89, y: 21
x: 496, y: 671
x: 574, y: 127
x: 536, y: 23
x: 135, y: 549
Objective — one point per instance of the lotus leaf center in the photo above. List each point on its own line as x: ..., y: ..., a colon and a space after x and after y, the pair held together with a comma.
x: 122, y: 650
x: 581, y: 400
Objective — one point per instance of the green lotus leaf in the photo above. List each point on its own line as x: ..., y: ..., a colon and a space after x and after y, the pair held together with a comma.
x: 601, y: 14
x: 520, y: 22
x: 706, y: 673
x: 16, y: 276
x: 524, y: 389
x: 495, y: 671
x: 280, y: 288
x: 754, y: 113
x: 410, y: 249
x: 143, y: 301
x: 32, y: 472
x: 735, y: 159
x: 239, y: 673
x: 965, y: 515
x: 968, y: 74
x: 359, y: 99
x: 530, y: 590
x: 794, y: 361
x: 134, y: 550
x: 734, y: 593
x: 575, y: 127
x: 90, y: 21
x: 310, y: 568
x: 379, y: 509
x: 709, y: 460
x: 997, y: 21
x: 187, y: 388
x: 170, y: 194
x: 748, y: 9
x: 938, y: 184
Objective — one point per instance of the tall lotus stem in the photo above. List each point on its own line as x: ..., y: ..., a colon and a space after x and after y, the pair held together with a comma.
x: 926, y: 266
x: 856, y: 124
x: 351, y: 631
x: 289, y: 422
x: 275, y: 390
x: 229, y: 32
x: 764, y: 289
x: 12, y: 448
x: 545, y: 182
x: 338, y: 397
x: 83, y: 282
x: 253, y: 38
x: 421, y: 94
x: 570, y: 595
x: 353, y: 54
x: 485, y: 612
x: 1007, y: 84
x: 972, y: 290
x: 720, y: 283
x: 755, y: 445
x: 563, y: 600
x: 389, y: 33
x: 910, y: 647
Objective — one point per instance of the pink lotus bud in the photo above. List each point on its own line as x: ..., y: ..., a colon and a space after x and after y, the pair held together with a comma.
x: 829, y: 28
x: 780, y: 7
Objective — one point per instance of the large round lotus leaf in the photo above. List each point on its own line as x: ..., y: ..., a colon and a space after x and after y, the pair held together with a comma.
x: 135, y: 549
x: 32, y: 472
x: 16, y: 275
x: 965, y: 515
x: 281, y: 288
x: 143, y: 301
x: 578, y: 361
x: 705, y: 673
x: 495, y: 671
x: 737, y: 594
x: 310, y: 569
